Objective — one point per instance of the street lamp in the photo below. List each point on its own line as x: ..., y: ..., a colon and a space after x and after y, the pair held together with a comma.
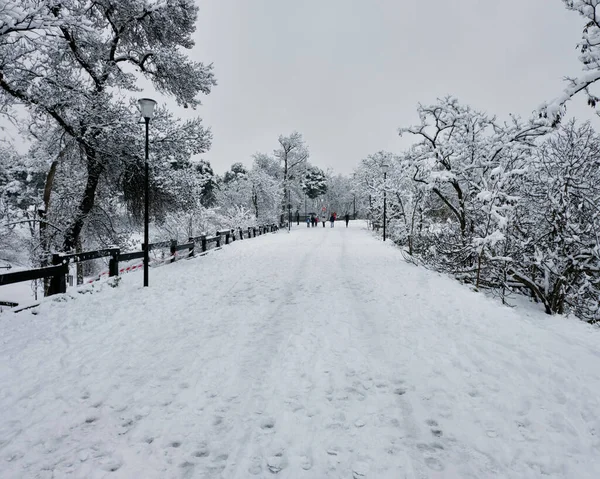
x: 305, y: 211
x: 385, y: 168
x: 147, y: 110
x: 289, y: 210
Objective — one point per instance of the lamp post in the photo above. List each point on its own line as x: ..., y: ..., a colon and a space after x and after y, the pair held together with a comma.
x: 385, y: 168
x: 289, y: 210
x: 147, y: 110
x: 305, y: 212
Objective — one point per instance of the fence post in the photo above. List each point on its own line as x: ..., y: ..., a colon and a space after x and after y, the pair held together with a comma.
x: 218, y: 239
x: 58, y: 283
x: 227, y: 237
x: 191, y: 253
x: 173, y: 250
x: 241, y: 234
x: 113, y: 264
x: 203, y: 243
x: 232, y: 234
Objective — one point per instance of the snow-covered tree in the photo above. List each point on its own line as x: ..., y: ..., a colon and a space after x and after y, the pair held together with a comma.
x: 21, y: 185
x: 314, y: 182
x: 235, y: 189
x: 464, y: 158
x: 558, y: 223
x: 76, y: 71
x: 293, y: 157
x: 267, y: 188
x: 236, y: 172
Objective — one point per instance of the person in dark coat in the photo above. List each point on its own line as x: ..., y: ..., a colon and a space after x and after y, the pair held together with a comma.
x: 332, y: 220
x: 347, y: 218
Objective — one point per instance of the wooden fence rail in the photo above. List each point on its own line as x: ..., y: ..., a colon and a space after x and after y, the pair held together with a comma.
x: 59, y: 270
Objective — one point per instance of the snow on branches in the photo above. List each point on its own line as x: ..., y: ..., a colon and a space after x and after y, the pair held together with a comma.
x: 589, y: 56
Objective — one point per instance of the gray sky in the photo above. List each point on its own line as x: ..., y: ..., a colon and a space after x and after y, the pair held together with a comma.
x: 348, y: 73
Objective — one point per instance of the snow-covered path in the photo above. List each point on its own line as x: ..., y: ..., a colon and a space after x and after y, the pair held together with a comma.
x: 315, y: 354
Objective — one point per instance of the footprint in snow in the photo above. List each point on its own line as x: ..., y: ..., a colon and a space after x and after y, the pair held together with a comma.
x: 433, y: 463
x: 201, y: 452
x: 217, y: 420
x: 434, y: 447
x: 255, y: 467
x: 277, y: 462
x: 267, y: 424
x: 360, y: 470
x: 306, y: 462
x: 187, y: 469
x: 218, y: 463
x: 351, y: 391
x: 429, y: 451
x: 435, y: 430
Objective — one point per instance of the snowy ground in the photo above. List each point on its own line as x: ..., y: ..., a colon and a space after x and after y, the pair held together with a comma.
x: 315, y: 354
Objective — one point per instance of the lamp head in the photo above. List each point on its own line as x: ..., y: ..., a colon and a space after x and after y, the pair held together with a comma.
x: 147, y: 107
x: 385, y: 168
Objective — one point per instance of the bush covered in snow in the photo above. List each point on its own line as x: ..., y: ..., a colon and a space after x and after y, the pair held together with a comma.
x: 505, y: 206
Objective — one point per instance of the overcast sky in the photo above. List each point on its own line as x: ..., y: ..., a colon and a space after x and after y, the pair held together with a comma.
x: 348, y: 73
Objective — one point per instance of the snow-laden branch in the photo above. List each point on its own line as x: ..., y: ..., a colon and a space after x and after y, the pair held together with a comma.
x: 589, y: 49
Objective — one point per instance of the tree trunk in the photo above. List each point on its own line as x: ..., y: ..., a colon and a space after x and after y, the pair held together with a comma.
x: 44, y: 256
x: 478, y: 269
x: 79, y: 266
x: 255, y: 204
x: 94, y: 169
x: 285, y: 189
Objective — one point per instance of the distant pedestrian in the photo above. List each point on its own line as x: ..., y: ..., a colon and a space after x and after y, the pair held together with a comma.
x: 347, y: 218
x: 308, y: 221
x: 316, y: 221
x: 324, y: 221
x: 298, y: 218
x: 332, y: 220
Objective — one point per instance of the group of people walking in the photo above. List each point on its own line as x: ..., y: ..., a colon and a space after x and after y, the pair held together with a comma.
x: 313, y: 220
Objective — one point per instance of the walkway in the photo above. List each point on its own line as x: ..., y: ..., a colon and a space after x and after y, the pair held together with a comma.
x: 315, y: 354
